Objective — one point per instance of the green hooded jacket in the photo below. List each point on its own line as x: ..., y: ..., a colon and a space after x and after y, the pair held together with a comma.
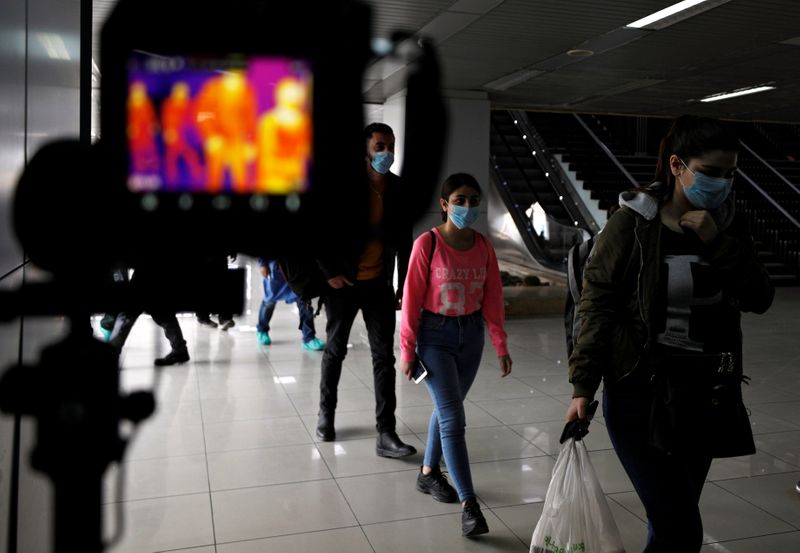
x: 621, y: 279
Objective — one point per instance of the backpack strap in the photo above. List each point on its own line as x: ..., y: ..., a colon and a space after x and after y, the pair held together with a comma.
x: 433, y: 248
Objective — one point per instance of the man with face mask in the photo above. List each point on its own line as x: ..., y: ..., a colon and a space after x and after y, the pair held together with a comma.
x: 363, y: 281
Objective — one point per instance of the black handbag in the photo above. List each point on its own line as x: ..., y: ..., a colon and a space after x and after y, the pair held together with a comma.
x: 697, y: 406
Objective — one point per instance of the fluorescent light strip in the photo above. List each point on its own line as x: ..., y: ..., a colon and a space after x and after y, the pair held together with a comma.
x: 672, y: 10
x: 735, y: 93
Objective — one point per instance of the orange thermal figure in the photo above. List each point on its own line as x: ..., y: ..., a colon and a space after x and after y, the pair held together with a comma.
x: 284, y: 140
x: 176, y: 116
x: 142, y: 128
x: 226, y: 118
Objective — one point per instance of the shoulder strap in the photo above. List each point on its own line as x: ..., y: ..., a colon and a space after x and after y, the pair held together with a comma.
x: 433, y: 248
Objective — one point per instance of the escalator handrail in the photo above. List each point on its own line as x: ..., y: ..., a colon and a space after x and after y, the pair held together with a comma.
x: 770, y: 167
x: 768, y: 197
x: 532, y: 240
x: 608, y: 152
x: 558, y: 179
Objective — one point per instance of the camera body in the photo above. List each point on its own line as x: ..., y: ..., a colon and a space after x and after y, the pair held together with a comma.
x: 240, y: 123
x: 232, y: 127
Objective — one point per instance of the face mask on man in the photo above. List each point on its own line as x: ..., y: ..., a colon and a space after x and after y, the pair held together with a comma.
x: 707, y: 192
x: 464, y: 217
x: 382, y: 161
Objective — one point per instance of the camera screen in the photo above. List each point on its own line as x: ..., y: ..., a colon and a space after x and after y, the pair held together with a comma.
x: 236, y: 125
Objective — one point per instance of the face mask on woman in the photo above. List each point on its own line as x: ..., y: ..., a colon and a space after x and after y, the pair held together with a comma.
x: 463, y: 217
x: 707, y: 192
x: 382, y: 161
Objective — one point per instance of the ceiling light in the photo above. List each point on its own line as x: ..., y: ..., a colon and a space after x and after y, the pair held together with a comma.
x: 580, y: 53
x: 675, y: 13
x: 735, y: 93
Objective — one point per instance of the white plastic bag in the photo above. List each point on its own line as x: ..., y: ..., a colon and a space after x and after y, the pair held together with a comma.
x: 576, y: 516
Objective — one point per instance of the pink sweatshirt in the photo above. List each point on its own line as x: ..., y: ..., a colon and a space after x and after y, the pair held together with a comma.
x: 457, y: 283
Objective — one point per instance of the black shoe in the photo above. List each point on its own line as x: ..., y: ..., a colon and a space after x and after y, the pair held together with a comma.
x: 437, y: 485
x: 227, y: 324
x: 325, y: 430
x: 389, y: 445
x: 173, y: 358
x: 472, y: 521
x: 205, y: 321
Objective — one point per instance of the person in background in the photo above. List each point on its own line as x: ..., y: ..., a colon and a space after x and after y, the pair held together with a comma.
x: 453, y: 286
x: 669, y: 277
x: 361, y: 280
x: 276, y: 289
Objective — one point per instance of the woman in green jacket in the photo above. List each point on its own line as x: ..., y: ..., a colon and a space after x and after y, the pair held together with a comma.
x: 669, y: 277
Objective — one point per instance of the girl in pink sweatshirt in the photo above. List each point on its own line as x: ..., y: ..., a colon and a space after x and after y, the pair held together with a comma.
x: 452, y: 287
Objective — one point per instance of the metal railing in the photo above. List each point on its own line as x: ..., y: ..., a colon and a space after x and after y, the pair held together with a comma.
x: 554, y: 173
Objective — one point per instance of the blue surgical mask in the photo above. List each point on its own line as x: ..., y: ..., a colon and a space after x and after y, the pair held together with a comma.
x: 707, y: 192
x: 382, y: 161
x: 464, y: 217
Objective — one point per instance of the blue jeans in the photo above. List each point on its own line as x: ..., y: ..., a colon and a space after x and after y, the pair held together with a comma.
x: 451, y: 348
x: 669, y: 486
x: 306, y: 319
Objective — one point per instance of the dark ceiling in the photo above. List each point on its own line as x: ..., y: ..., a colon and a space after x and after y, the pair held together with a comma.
x: 740, y: 43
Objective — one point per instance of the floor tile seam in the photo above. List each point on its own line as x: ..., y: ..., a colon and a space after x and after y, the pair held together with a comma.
x: 271, y: 485
x: 251, y: 419
x: 778, y: 458
x: 752, y: 476
x: 774, y: 432
x: 407, y: 519
x: 143, y: 499
x: 734, y: 540
x: 387, y: 473
x: 208, y: 471
x: 468, y: 401
x: 287, y: 535
x: 287, y: 444
x: 503, y: 522
x: 623, y: 507
x: 762, y: 509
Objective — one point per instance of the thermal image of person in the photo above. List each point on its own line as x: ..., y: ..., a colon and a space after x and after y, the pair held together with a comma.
x: 142, y: 129
x: 176, y: 123
x: 284, y: 140
x: 226, y: 115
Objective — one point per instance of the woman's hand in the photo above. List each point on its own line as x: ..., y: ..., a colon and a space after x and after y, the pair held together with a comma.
x: 577, y: 408
x: 701, y: 223
x: 505, y: 366
x: 264, y: 269
x: 407, y: 368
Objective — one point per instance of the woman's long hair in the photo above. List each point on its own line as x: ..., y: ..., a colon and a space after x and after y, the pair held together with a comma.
x: 689, y: 136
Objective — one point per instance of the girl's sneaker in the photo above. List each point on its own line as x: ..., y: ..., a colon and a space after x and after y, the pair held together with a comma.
x: 263, y: 338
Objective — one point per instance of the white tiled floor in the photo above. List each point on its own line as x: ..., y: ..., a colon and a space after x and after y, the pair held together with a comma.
x: 230, y: 463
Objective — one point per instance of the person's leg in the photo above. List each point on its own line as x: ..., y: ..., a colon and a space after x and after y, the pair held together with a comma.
x: 668, y: 486
x: 378, y: 309
x: 306, y: 321
x: 265, y: 316
x: 340, y: 309
x: 122, y: 328
x: 452, y: 352
x: 172, y: 330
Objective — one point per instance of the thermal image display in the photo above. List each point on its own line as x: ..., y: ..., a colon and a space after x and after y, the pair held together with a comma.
x: 239, y: 126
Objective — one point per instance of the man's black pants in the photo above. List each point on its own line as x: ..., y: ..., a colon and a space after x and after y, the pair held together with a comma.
x: 375, y: 299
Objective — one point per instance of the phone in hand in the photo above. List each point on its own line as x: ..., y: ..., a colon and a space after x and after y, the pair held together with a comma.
x: 420, y: 371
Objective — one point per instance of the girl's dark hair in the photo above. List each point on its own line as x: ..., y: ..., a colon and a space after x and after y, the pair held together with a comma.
x: 456, y: 181
x: 691, y: 136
